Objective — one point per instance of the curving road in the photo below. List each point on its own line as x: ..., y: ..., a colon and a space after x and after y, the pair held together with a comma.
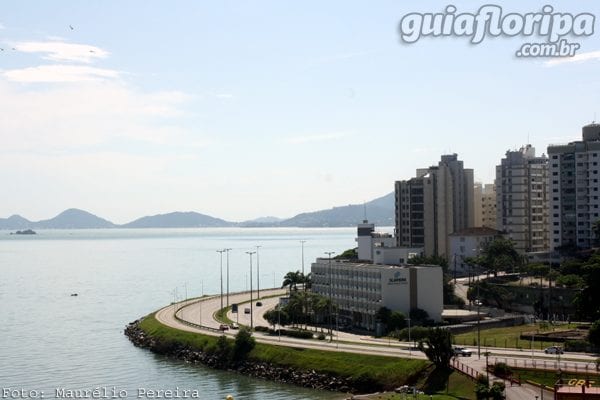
x: 201, y: 311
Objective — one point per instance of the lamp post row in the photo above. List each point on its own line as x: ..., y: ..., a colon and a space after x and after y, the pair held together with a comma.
x: 250, y: 253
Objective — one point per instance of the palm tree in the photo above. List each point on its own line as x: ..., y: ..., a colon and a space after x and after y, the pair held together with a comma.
x: 292, y: 279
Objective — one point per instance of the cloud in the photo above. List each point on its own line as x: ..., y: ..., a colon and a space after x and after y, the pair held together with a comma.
x: 66, y: 118
x: 316, y: 138
x: 579, y: 58
x: 59, y: 73
x: 62, y: 51
x: 2, y: 26
x: 224, y: 96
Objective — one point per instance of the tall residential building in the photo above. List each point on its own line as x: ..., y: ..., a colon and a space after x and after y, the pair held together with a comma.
x: 522, y: 199
x: 434, y: 204
x: 574, y: 189
x: 485, y: 205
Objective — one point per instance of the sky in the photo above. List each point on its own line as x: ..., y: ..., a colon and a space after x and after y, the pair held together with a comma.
x: 241, y: 109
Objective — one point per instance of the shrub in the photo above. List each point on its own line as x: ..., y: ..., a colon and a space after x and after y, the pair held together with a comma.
x: 297, y: 334
x: 502, y: 370
x: 577, y: 345
x: 594, y: 334
x: 262, y: 328
x: 321, y: 336
x: 223, y: 348
x: 243, y: 344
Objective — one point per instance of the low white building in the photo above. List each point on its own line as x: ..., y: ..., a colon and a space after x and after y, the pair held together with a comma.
x: 380, y: 247
x: 468, y: 243
x: 360, y: 289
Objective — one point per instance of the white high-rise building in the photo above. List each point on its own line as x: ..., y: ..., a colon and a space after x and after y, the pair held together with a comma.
x: 522, y: 199
x: 575, y: 190
x: 434, y: 204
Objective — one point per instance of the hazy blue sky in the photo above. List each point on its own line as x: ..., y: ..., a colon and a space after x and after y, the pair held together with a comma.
x: 241, y: 109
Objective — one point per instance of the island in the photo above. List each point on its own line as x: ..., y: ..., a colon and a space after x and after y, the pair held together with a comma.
x: 25, y: 232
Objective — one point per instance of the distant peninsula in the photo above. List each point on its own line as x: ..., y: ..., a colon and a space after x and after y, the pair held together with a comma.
x: 380, y: 211
x: 24, y: 232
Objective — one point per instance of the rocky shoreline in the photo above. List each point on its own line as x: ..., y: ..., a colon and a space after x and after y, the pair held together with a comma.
x: 255, y: 369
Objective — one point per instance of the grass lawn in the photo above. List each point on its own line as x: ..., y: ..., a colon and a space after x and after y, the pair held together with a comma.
x: 507, y: 337
x: 459, y: 387
x: 379, y: 371
x: 549, y: 378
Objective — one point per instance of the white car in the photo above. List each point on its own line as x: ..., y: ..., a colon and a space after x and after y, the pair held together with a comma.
x: 553, y: 350
x: 461, y: 351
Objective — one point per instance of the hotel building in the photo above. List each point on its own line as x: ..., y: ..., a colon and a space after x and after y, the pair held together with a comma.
x: 360, y: 289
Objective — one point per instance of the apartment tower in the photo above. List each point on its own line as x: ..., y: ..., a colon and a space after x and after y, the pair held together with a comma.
x: 434, y: 204
x: 574, y: 190
x: 522, y: 199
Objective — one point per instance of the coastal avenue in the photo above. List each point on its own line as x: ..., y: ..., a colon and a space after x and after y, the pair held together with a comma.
x: 201, y: 312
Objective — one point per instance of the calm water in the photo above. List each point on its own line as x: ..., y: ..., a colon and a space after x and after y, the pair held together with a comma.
x: 49, y: 339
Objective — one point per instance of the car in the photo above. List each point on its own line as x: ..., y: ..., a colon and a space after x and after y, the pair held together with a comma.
x: 234, y: 326
x: 478, y: 303
x: 553, y: 350
x: 223, y: 327
x: 258, y: 304
x: 461, y: 351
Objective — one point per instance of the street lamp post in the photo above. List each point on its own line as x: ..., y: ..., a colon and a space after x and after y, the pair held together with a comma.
x: 302, y: 243
x: 250, y: 253
x: 409, y: 342
x: 329, y: 253
x: 257, y: 273
x: 221, y: 254
x: 478, y: 319
x: 455, y: 268
x: 227, y: 251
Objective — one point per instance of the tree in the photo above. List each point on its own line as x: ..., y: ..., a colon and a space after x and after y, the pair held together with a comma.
x: 243, y: 344
x: 431, y: 260
x: 499, y: 255
x: 587, y: 301
x: 277, y: 316
x: 292, y: 279
x: 350, y: 254
x: 223, y: 348
x: 418, y: 316
x: 596, y: 229
x: 383, y: 315
x: 594, y: 334
x: 396, y: 321
x: 437, y: 346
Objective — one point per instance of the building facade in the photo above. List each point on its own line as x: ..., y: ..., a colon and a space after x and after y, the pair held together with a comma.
x: 575, y: 190
x: 437, y: 202
x: 522, y: 199
x: 468, y: 243
x: 360, y: 289
x: 484, y: 205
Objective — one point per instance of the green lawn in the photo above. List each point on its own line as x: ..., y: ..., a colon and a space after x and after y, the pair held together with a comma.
x: 507, y: 337
x: 459, y: 387
x: 365, y: 370
x: 549, y: 378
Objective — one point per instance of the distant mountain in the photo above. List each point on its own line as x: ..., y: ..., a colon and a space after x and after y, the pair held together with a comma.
x: 74, y: 219
x: 15, y: 222
x: 178, y: 220
x: 379, y: 211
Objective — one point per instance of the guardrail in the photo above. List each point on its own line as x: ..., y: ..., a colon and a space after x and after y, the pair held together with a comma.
x: 465, y: 369
x: 550, y: 365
